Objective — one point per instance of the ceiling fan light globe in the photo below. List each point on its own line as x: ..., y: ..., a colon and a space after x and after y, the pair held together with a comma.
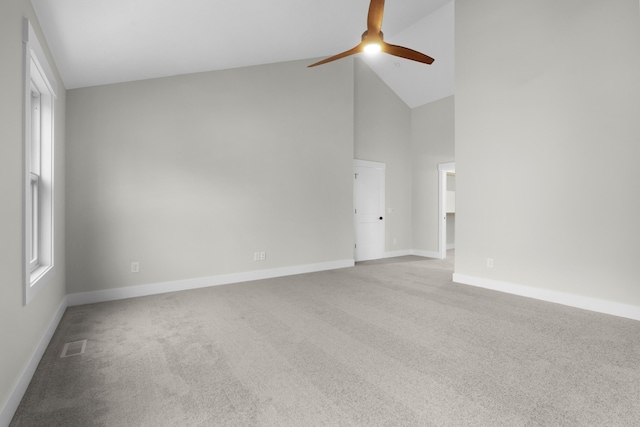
x: 372, y: 48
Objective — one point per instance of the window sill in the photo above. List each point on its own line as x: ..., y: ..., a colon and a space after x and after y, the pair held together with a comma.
x: 37, y: 274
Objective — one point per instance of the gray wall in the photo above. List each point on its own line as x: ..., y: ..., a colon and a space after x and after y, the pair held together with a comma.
x: 547, y: 111
x: 21, y: 328
x: 432, y: 143
x: 190, y: 175
x: 383, y: 134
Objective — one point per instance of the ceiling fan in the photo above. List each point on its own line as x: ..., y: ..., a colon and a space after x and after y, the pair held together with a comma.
x: 372, y: 40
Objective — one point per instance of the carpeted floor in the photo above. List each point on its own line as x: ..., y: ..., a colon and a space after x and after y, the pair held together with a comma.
x: 389, y: 343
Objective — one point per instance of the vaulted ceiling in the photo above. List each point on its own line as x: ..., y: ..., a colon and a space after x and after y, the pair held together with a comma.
x: 96, y: 42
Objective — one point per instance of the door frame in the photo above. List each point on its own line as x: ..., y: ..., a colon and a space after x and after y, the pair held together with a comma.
x: 443, y: 169
x: 383, y: 167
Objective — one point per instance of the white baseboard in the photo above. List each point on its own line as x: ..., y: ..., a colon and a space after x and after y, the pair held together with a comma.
x: 11, y: 405
x: 571, y: 300
x: 394, y: 254
x: 202, y: 282
x: 451, y: 246
x: 405, y: 252
x: 426, y: 254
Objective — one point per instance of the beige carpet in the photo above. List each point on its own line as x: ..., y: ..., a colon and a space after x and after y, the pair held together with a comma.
x: 390, y: 343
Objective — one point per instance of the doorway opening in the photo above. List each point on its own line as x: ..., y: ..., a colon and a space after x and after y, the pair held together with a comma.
x: 447, y: 208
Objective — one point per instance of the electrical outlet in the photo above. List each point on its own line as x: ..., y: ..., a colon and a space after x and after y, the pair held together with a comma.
x: 256, y: 256
x: 135, y: 267
x: 489, y: 262
x: 263, y: 256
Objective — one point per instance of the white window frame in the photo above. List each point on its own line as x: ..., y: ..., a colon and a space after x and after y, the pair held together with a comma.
x: 39, y: 100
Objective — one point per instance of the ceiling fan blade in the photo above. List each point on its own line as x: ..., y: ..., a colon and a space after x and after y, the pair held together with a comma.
x: 374, y: 20
x: 405, y: 52
x: 353, y: 51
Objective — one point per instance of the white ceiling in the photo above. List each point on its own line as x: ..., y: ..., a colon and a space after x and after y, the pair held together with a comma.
x: 97, y: 42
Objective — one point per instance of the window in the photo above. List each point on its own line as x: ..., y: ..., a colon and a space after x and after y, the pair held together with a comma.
x: 34, y: 171
x: 39, y: 102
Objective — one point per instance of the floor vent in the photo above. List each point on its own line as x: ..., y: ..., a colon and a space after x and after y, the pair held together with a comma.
x: 74, y: 348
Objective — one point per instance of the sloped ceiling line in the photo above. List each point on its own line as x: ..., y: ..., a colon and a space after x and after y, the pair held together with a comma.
x: 96, y: 42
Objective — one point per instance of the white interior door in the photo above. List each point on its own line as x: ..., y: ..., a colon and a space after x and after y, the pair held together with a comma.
x: 368, y: 190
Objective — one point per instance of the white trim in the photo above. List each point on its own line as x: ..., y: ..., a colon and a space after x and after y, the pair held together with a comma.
x: 415, y: 252
x: 451, y: 246
x: 443, y: 168
x: 369, y: 164
x: 11, y: 405
x: 32, y: 43
x: 571, y: 300
x: 395, y: 254
x: 38, y: 72
x: 202, y: 282
x: 426, y: 254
